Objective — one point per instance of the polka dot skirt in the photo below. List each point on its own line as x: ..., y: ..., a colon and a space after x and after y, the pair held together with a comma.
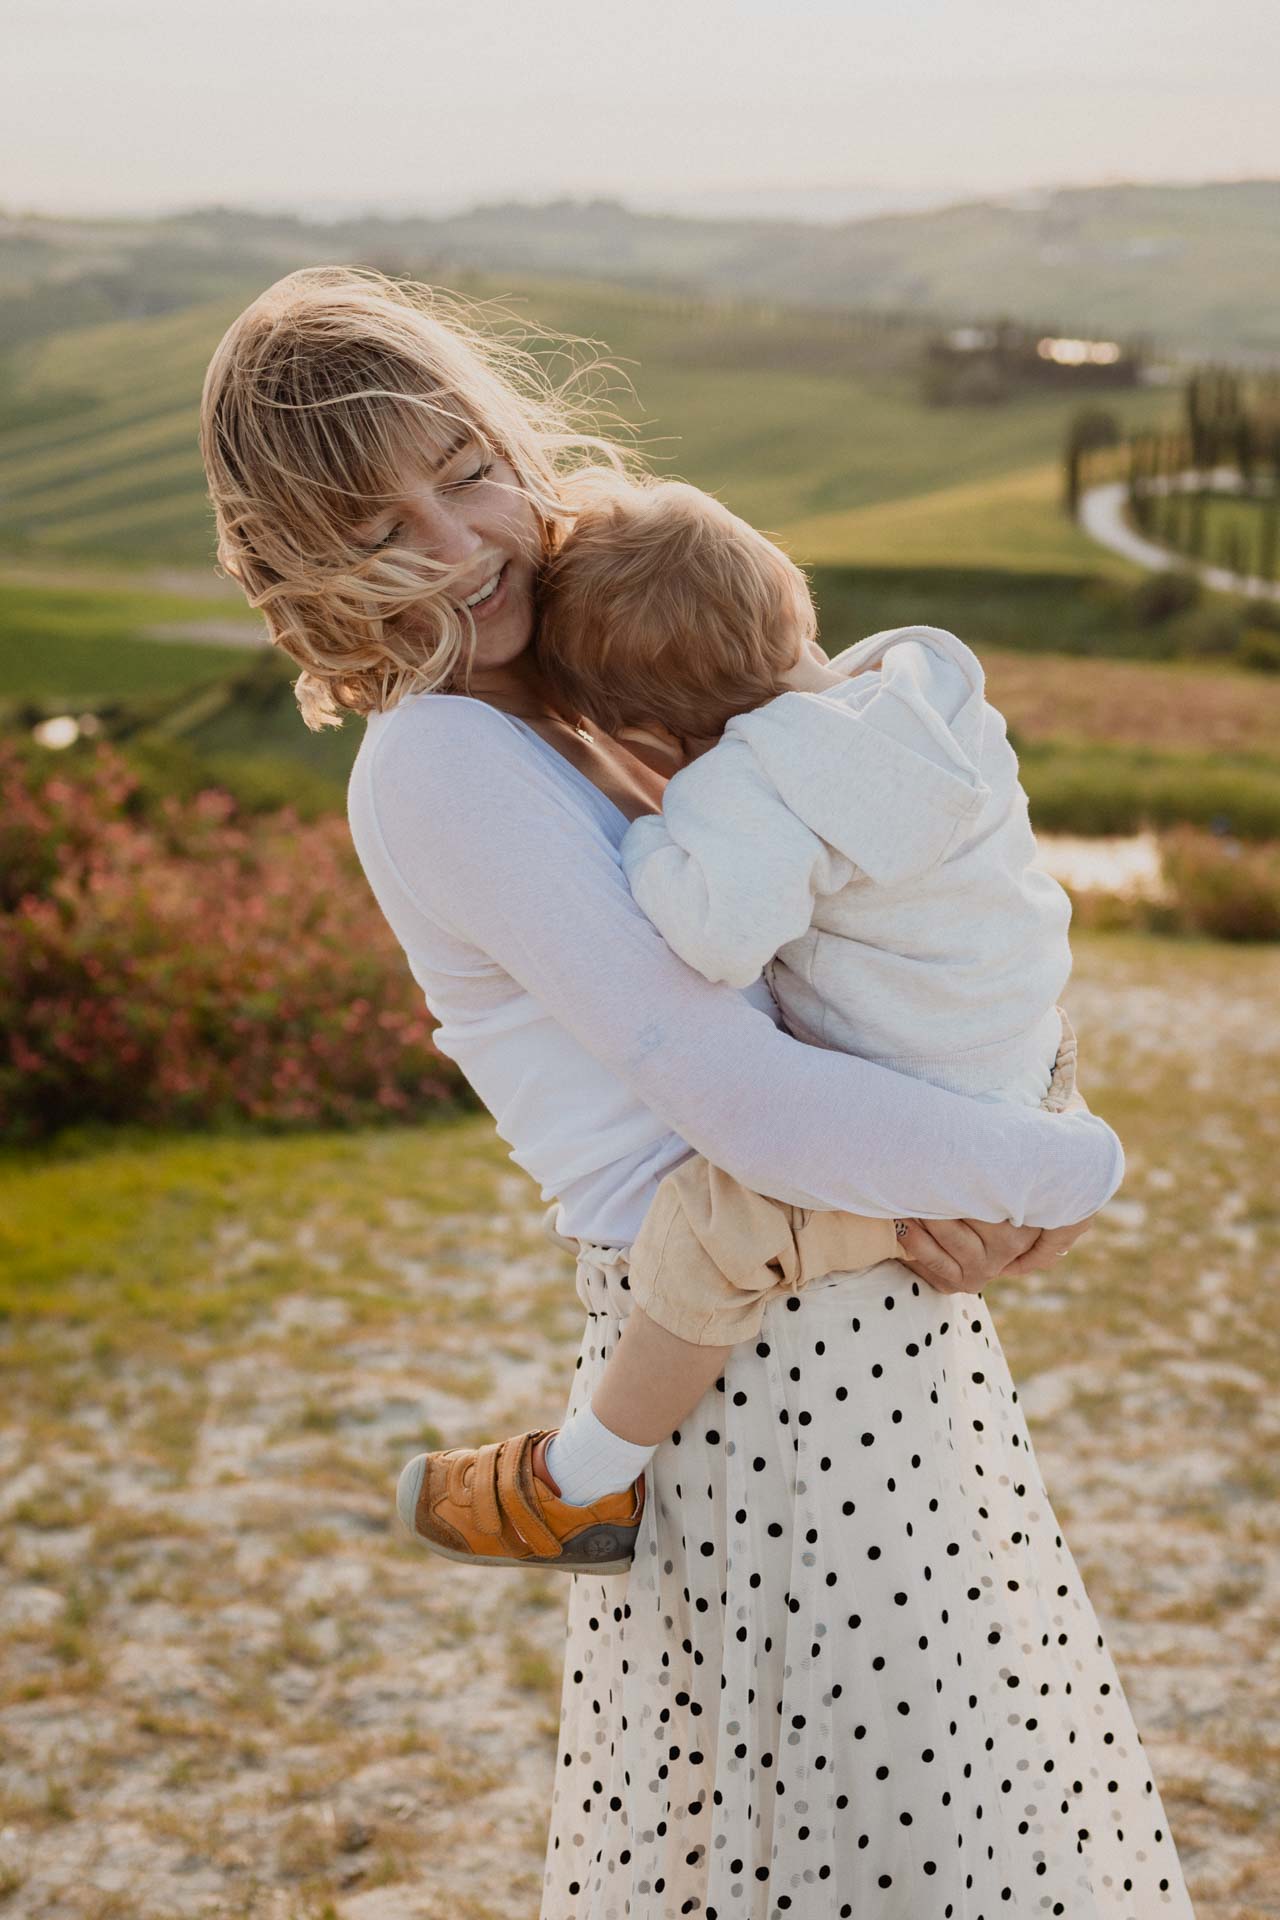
x: 853, y: 1670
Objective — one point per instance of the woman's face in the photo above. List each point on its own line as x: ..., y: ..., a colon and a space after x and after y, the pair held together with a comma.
x: 463, y: 507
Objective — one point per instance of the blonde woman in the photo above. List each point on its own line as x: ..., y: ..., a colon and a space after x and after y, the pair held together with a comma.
x: 847, y: 1670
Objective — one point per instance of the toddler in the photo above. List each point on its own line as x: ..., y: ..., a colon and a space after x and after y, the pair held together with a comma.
x: 856, y: 830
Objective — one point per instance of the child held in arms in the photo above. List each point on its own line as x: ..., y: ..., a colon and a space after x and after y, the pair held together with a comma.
x: 854, y: 829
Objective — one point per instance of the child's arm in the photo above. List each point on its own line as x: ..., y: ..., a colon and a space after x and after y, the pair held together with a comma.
x: 805, y: 795
x: 727, y: 872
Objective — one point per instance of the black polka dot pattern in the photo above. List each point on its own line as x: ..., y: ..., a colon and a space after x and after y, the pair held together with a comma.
x: 853, y: 1670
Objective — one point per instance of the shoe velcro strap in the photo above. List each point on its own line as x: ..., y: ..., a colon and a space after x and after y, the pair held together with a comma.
x: 484, y: 1490
x: 519, y: 1514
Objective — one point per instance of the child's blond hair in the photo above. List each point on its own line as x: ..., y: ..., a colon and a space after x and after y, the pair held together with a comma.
x: 660, y: 606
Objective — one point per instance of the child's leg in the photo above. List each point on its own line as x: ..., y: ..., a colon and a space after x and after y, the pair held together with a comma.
x: 653, y: 1381
x: 709, y: 1256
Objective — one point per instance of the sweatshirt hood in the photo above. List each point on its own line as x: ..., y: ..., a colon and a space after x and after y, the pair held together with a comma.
x: 888, y: 774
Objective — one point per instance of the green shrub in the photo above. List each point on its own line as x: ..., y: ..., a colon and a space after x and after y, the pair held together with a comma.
x: 1222, y: 887
x: 1264, y: 614
x: 1092, y: 790
x: 257, y: 782
x: 1081, y: 614
x: 1260, y: 649
x: 1160, y: 596
x: 1212, y: 886
x: 1208, y: 633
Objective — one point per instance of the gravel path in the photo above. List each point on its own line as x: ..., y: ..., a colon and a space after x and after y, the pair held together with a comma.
x: 1102, y: 515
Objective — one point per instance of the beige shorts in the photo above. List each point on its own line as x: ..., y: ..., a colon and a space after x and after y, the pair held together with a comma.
x: 710, y: 1254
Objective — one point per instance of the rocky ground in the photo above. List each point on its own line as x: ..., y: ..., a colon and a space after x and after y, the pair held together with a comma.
x: 227, y: 1688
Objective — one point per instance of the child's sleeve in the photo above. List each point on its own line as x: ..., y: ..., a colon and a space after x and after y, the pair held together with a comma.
x: 726, y: 872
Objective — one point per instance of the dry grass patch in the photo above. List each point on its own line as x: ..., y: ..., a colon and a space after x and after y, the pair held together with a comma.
x: 1172, y: 708
x: 307, y: 1707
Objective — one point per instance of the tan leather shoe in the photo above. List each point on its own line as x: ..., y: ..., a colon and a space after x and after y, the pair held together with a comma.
x: 486, y: 1505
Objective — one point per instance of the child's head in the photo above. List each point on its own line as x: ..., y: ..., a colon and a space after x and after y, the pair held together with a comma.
x: 662, y: 607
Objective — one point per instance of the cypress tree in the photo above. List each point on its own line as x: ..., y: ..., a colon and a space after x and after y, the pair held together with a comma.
x: 1071, y: 499
x: 1269, y: 538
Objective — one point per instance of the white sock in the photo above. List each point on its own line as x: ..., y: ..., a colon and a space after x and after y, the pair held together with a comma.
x: 587, y: 1461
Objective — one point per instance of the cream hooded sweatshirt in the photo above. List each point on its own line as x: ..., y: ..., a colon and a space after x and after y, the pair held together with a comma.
x: 868, y: 847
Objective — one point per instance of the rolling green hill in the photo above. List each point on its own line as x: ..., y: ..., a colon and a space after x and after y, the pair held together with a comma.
x: 1194, y: 266
x: 792, y: 417
x: 809, y: 422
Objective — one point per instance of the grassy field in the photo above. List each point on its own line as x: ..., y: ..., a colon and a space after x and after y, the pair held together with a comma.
x: 1170, y: 708
x: 809, y: 423
x: 1224, y: 520
x: 1106, y: 744
x: 788, y: 417
x: 227, y: 1689
x: 1012, y: 521
x: 74, y: 643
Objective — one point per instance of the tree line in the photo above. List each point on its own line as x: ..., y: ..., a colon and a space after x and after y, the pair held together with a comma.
x: 1209, y: 486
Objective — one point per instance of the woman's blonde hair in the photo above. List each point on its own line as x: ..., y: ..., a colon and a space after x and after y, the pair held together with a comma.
x: 314, y: 399
x: 661, y: 606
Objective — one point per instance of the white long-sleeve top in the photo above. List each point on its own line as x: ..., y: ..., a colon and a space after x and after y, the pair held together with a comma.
x: 875, y: 838
x: 603, y: 1058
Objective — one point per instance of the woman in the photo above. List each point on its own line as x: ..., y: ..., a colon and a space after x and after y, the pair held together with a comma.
x: 852, y: 1668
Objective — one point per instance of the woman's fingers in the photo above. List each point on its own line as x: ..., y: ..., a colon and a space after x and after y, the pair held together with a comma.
x: 926, y: 1259
x: 946, y: 1254
x: 961, y: 1256
x: 1003, y: 1242
x: 1048, y: 1248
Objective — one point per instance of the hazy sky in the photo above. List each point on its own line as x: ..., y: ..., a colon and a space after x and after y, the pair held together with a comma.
x: 130, y: 104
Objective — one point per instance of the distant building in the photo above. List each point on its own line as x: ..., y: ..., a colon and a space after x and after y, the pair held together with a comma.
x: 982, y: 365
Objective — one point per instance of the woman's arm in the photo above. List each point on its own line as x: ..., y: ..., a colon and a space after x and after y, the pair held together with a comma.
x: 458, y: 823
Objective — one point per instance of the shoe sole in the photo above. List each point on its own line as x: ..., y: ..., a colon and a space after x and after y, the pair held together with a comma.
x: 408, y: 1488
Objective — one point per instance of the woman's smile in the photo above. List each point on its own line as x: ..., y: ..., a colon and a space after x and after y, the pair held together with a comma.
x: 490, y: 597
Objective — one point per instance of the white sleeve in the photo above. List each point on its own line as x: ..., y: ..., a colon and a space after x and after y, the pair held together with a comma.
x: 473, y: 836
x: 727, y: 872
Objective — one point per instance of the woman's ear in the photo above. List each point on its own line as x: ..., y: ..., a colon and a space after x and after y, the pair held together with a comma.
x: 655, y: 746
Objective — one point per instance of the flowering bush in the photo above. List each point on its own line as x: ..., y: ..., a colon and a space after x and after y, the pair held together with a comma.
x: 1224, y: 887
x: 1211, y: 885
x: 179, y: 962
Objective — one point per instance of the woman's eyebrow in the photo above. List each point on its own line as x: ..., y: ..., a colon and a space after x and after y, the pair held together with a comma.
x: 463, y: 438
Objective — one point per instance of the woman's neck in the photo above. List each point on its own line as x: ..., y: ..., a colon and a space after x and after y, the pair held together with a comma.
x: 518, y: 687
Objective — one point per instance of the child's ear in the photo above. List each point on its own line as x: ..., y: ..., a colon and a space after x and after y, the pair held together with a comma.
x: 655, y: 746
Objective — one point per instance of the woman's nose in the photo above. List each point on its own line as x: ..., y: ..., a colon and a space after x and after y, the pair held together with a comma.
x: 445, y: 530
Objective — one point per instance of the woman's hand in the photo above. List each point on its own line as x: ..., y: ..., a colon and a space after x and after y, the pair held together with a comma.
x: 1052, y: 1244
x: 961, y: 1256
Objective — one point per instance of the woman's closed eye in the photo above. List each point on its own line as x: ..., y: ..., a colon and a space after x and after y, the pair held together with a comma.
x: 482, y: 472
